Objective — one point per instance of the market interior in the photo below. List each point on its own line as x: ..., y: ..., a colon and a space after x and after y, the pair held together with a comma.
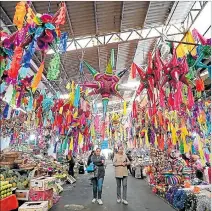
x: 98, y: 93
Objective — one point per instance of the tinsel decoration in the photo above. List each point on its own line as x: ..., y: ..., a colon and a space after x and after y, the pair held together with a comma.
x: 206, y: 50
x: 200, y: 38
x: 54, y: 68
x: 76, y: 97
x: 37, y: 78
x: 125, y: 108
x: 60, y: 16
x: 190, y: 60
x: 133, y: 70
x: 134, y: 109
x: 63, y: 42
x: 30, y: 103
x: 180, y: 199
x: 50, y: 117
x: 6, y: 110
x: 200, y: 85
x: 30, y: 15
x: 2, y: 67
x: 16, y: 63
x: 55, y: 148
x: 190, y: 98
x: 20, y: 13
x: 65, y: 143
x: 31, y: 48
x: 2, y: 87
x: 23, y: 72
x: 47, y: 104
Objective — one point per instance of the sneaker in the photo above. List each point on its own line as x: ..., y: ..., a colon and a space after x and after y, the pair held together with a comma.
x: 94, y: 201
x: 125, y: 202
x: 118, y: 201
x: 100, y: 202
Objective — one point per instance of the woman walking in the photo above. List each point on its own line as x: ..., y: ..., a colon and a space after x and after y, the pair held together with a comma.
x: 121, y: 173
x: 99, y: 175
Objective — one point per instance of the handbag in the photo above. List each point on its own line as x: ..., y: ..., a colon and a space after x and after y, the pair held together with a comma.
x: 90, y: 168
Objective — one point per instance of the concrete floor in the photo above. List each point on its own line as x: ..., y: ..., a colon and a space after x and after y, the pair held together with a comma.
x: 140, y: 196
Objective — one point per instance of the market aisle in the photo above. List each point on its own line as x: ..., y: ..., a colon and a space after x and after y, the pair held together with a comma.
x: 139, y: 196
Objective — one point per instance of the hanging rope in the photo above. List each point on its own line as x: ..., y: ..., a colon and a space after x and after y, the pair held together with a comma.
x: 49, y: 6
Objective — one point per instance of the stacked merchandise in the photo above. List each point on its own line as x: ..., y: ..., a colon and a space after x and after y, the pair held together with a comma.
x: 178, y: 180
x: 41, y: 189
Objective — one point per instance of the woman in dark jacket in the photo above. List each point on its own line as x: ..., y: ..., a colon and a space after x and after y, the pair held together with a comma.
x: 99, y: 175
x: 71, y: 162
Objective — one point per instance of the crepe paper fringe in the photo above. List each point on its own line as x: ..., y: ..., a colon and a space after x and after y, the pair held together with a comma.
x: 77, y: 97
x: 37, y: 77
x: 20, y: 13
x: 54, y: 68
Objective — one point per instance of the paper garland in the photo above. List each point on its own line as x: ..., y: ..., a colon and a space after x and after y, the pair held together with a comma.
x: 37, y: 77
x: 54, y: 68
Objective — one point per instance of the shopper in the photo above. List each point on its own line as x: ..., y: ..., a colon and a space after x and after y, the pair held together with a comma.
x: 89, y: 162
x: 71, y: 162
x: 121, y: 173
x: 129, y: 156
x: 89, y: 158
x: 99, y: 175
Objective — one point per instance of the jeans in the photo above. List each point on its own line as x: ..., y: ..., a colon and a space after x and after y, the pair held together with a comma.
x: 97, y: 187
x: 71, y: 171
x: 124, y: 184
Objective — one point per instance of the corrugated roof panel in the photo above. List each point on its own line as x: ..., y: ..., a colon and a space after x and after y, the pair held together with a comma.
x: 108, y: 16
x: 157, y: 13
x: 144, y: 46
x: 133, y: 14
x: 126, y: 52
x: 181, y: 11
x: 82, y: 18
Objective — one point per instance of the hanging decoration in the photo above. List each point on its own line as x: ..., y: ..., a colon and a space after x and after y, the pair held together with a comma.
x: 106, y: 84
x: 54, y: 68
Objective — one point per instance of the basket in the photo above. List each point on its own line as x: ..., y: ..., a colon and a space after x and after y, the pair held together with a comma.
x: 11, y: 154
x: 18, y: 161
x: 27, y: 167
x: 6, y: 164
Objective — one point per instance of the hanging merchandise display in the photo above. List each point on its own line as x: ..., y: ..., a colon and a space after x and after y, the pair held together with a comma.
x: 106, y: 84
x: 175, y: 124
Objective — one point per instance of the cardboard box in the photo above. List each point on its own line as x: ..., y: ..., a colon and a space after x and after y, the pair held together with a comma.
x: 34, y: 206
x: 42, y: 183
x: 46, y: 195
x: 22, y: 195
